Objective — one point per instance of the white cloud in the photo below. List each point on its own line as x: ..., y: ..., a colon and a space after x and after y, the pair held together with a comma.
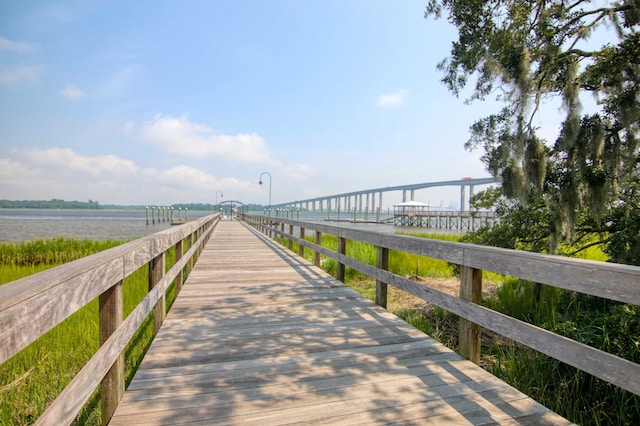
x: 10, y: 169
x: 180, y: 136
x: 14, y: 46
x: 63, y: 173
x: 185, y: 176
x: 71, y: 92
x: 120, y: 82
x: 65, y: 160
x: 392, y: 100
x: 18, y: 73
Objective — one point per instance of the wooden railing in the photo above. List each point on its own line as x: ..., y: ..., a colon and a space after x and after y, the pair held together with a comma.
x: 607, y: 280
x: 31, y: 306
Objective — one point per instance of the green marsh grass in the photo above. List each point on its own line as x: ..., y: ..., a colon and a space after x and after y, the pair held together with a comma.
x: 32, y: 379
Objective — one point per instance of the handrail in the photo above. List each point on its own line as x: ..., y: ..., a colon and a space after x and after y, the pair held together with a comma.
x: 607, y: 280
x: 31, y: 306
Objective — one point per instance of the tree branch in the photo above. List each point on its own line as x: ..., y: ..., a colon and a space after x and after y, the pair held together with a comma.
x: 595, y: 243
x: 577, y: 52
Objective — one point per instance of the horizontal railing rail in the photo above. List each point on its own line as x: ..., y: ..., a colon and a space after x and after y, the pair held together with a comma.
x: 607, y: 280
x: 447, y: 213
x: 31, y: 306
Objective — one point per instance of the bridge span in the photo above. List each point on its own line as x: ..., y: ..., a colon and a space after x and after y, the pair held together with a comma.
x: 370, y: 199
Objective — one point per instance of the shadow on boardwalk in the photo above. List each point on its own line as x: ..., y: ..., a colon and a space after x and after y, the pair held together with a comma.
x: 260, y: 336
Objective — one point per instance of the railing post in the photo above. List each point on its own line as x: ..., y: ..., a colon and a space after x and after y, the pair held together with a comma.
x: 111, y: 316
x: 190, y: 262
x: 342, y: 249
x: 316, y: 256
x: 381, y: 287
x: 197, y: 238
x: 290, y: 237
x: 179, y: 278
x: 301, y: 248
x: 469, y: 332
x: 156, y: 271
x: 282, y: 233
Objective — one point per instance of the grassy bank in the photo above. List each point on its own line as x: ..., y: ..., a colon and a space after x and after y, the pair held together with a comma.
x: 34, y: 377
x: 606, y: 325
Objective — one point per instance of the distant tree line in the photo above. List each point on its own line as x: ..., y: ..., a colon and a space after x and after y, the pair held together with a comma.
x: 61, y: 204
x: 49, y: 204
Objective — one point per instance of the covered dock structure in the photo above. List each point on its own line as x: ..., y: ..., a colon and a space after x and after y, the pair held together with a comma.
x: 410, y: 213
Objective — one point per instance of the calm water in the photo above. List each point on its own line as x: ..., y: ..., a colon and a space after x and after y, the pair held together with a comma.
x: 28, y: 224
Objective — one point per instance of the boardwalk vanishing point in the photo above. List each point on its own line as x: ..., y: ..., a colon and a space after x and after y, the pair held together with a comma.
x: 259, y: 335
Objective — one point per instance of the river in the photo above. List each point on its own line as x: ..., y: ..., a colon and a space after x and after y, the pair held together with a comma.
x: 18, y: 225
x: 28, y: 224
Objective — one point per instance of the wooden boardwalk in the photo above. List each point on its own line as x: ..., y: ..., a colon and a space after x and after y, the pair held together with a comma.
x: 260, y: 336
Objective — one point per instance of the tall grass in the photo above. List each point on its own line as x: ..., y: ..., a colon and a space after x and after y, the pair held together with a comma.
x: 31, y: 379
x: 400, y: 263
x: 603, y: 324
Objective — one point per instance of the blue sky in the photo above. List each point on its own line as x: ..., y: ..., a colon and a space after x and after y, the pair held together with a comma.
x: 159, y: 102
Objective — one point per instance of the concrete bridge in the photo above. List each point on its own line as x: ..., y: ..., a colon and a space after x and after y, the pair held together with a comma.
x: 371, y: 199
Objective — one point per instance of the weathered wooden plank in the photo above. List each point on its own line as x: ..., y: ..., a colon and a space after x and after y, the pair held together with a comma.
x: 397, y: 388
x: 111, y: 317
x: 65, y: 407
x: 611, y: 281
x: 25, y: 288
x: 294, y: 345
x: 382, y: 259
x: 31, y: 306
x: 580, y: 275
x: 469, y: 332
x: 236, y: 377
x: 30, y: 318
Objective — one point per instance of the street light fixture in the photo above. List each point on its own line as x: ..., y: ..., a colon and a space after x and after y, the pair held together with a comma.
x: 221, y: 195
x: 260, y: 182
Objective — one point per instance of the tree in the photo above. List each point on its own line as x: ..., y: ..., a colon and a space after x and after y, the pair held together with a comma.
x: 526, y: 52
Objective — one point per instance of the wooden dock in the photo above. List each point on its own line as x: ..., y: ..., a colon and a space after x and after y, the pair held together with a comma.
x: 260, y: 336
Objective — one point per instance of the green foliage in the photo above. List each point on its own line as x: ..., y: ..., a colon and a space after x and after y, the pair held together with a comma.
x: 623, y: 226
x: 50, y: 204
x: 404, y: 264
x: 437, y: 323
x: 51, y: 251
x: 528, y: 53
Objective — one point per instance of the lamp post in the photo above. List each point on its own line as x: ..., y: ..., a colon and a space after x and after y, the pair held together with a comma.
x: 260, y: 182
x: 221, y: 195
